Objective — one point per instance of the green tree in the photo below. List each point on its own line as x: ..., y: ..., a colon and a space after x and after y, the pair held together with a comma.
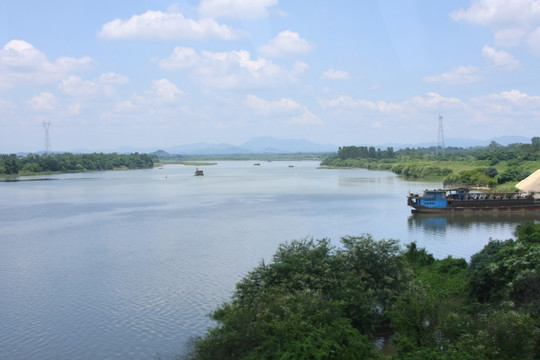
x: 312, y: 302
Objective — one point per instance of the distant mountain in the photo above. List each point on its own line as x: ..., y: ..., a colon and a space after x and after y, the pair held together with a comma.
x: 273, y: 145
x: 202, y: 148
x: 270, y: 145
x: 261, y: 145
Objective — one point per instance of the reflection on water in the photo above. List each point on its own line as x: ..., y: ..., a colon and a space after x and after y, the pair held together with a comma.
x: 461, y: 231
x: 448, y: 222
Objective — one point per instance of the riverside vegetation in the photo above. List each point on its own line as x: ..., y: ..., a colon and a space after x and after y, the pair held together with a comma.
x: 316, y: 301
x: 493, y: 166
x: 13, y: 165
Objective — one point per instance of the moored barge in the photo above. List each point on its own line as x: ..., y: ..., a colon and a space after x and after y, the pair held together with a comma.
x: 464, y: 201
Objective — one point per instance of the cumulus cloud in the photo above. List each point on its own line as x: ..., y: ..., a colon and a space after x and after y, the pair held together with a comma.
x: 286, y: 43
x: 431, y: 101
x: 284, y: 107
x: 235, y: 8
x: 20, y: 62
x: 514, y: 98
x: 261, y: 106
x: 105, y: 84
x: 231, y: 70
x: 43, y: 102
x: 499, y: 59
x: 306, y: 118
x: 504, y: 111
x: 510, y: 21
x: 165, y: 90
x: 125, y: 106
x: 457, y: 75
x: 168, y: 26
x: 345, y: 101
x: 181, y: 58
x: 332, y: 74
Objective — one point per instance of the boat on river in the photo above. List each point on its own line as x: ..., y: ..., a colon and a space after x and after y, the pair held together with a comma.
x: 463, y: 201
x: 199, y: 172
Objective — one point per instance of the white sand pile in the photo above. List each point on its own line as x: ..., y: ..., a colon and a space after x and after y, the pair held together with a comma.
x: 531, y: 183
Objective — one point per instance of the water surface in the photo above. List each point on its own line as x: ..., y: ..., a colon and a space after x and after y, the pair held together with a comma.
x: 127, y: 264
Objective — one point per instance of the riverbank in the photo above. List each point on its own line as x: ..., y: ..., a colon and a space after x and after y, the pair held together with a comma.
x: 477, y: 174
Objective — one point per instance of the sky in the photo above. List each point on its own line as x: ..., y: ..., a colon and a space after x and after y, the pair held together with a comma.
x: 107, y: 74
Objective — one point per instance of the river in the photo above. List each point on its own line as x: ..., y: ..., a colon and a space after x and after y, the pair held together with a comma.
x: 127, y: 264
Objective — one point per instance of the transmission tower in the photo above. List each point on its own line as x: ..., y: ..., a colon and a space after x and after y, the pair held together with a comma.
x: 46, y: 125
x: 440, y: 139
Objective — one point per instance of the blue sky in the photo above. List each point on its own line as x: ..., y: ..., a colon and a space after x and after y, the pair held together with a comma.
x: 161, y: 73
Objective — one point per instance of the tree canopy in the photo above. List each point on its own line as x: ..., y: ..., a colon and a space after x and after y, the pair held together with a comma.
x: 68, y: 162
x: 318, y: 301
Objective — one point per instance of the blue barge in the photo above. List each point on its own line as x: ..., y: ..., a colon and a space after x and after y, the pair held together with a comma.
x: 462, y: 200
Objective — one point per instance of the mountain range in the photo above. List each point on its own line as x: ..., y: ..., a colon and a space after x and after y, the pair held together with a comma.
x: 270, y: 145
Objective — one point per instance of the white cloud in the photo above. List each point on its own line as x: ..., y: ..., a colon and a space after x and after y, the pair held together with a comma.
x: 126, y: 106
x: 182, y: 57
x: 458, y: 75
x: 306, y: 118
x: 284, y: 107
x: 514, y: 98
x: 235, y: 8
x: 417, y: 104
x: 286, y: 43
x: 167, y: 25
x: 112, y: 79
x: 76, y: 86
x: 348, y: 102
x: 332, y: 74
x: 20, y: 62
x: 43, y: 102
x: 261, y: 106
x: 499, y: 59
x: 104, y: 84
x: 231, y: 70
x: 165, y: 90
x: 510, y: 21
x: 503, y: 111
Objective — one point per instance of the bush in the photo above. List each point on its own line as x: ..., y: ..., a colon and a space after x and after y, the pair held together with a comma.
x: 311, y: 302
x: 475, y: 177
x: 513, y: 173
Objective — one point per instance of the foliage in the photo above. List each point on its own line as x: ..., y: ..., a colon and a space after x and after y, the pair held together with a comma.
x: 67, y: 162
x: 479, y: 166
x: 475, y: 177
x: 514, y: 173
x: 316, y: 301
x: 421, y: 171
x: 487, y: 309
x: 312, y: 302
x: 363, y: 152
x: 509, y: 271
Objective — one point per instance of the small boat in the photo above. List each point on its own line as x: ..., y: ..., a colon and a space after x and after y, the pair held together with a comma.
x: 257, y: 164
x: 463, y: 201
x: 199, y: 172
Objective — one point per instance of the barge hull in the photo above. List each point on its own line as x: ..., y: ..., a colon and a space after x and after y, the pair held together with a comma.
x: 483, y: 209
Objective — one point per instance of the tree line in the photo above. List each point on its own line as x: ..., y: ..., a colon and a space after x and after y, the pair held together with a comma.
x: 68, y: 162
x: 318, y: 301
x: 498, y: 164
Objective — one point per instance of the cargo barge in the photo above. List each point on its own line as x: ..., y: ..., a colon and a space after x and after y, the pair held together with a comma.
x: 463, y: 201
